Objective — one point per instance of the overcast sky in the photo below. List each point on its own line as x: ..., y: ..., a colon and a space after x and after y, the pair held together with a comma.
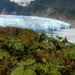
x: 25, y: 1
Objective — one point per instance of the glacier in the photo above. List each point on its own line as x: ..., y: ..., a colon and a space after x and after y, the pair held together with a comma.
x: 38, y: 24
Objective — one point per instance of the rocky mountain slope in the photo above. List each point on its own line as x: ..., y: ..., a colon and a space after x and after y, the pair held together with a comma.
x: 7, y: 7
x: 54, y: 8
x: 58, y: 9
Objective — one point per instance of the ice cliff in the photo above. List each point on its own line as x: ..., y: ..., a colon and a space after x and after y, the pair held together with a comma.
x: 36, y: 23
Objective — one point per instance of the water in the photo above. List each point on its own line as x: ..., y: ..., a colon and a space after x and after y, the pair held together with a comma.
x: 69, y: 33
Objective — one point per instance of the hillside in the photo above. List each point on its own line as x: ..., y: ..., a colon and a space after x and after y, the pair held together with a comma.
x: 25, y: 52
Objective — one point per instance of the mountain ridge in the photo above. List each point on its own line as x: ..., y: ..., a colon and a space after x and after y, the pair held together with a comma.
x: 57, y: 9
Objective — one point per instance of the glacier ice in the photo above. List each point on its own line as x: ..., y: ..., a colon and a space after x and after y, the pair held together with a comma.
x: 36, y: 23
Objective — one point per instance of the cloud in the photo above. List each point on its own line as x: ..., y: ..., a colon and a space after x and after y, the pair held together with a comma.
x: 17, y: 1
x: 22, y: 1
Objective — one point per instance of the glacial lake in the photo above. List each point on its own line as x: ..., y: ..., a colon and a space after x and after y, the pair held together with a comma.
x: 69, y: 33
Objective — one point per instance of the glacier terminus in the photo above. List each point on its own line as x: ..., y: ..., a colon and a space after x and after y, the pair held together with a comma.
x: 38, y: 24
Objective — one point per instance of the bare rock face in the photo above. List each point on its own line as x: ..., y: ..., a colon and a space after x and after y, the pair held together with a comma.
x: 7, y: 7
x: 56, y: 9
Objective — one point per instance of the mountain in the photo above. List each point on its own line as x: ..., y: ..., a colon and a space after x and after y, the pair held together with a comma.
x: 57, y: 9
x: 53, y: 8
x: 7, y: 7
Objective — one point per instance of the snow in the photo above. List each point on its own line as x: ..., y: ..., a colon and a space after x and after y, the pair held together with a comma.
x: 36, y: 23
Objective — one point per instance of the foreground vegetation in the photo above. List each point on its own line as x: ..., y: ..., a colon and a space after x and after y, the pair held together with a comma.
x: 25, y: 52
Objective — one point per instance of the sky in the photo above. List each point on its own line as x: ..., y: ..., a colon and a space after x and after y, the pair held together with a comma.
x: 22, y: 1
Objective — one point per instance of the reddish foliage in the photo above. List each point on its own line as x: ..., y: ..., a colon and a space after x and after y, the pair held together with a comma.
x: 9, y: 31
x: 69, y: 60
x: 70, y: 67
x: 65, y: 40
x: 68, y: 54
x: 58, y: 53
x: 2, y: 71
x: 2, y: 31
x: 0, y: 62
x: 0, y: 46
